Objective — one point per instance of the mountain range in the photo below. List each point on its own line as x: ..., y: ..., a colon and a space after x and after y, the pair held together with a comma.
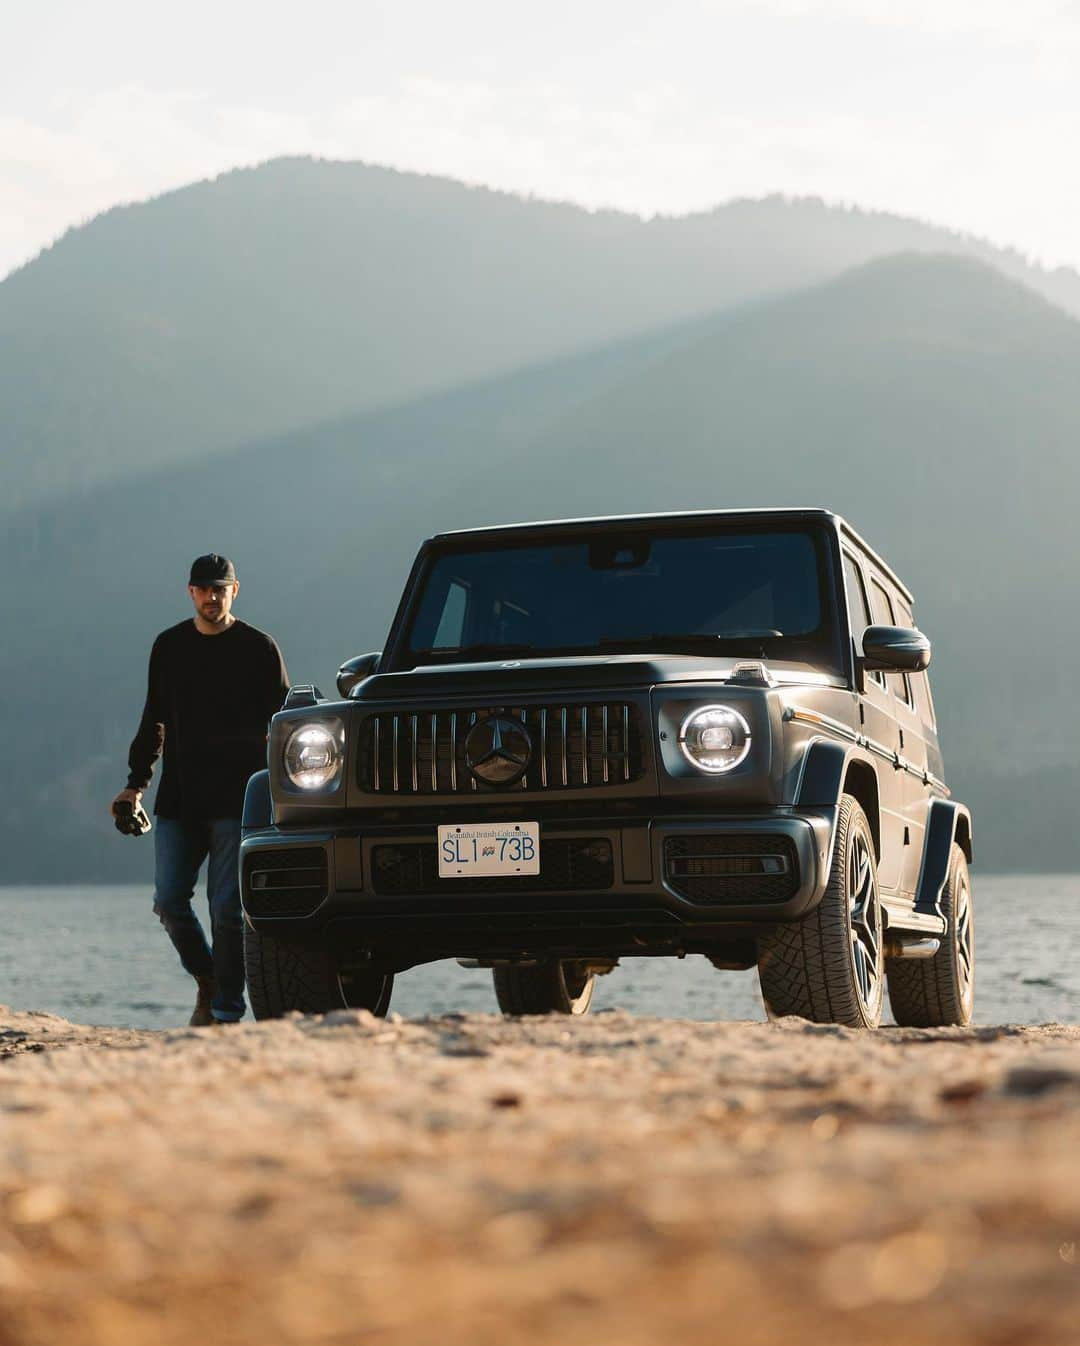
x: 273, y: 298
x: 512, y: 360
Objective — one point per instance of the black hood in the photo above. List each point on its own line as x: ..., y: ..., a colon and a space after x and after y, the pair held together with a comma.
x: 510, y: 677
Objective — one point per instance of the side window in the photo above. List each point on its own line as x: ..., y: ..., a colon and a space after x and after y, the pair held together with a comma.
x: 856, y: 596
x: 859, y: 608
x: 920, y: 683
x: 885, y: 614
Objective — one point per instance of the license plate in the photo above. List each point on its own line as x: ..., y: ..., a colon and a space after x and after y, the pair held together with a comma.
x: 469, y: 850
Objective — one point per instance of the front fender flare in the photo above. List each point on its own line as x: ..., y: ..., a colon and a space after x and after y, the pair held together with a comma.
x: 826, y: 770
x: 258, y: 806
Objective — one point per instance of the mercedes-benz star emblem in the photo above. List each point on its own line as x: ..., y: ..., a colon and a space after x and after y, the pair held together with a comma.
x: 497, y: 750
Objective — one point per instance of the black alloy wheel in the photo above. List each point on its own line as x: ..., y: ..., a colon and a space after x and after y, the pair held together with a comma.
x: 560, y: 987
x: 283, y: 978
x: 940, y: 991
x: 829, y: 966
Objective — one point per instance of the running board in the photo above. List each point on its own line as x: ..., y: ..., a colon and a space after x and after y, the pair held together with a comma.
x: 907, y: 918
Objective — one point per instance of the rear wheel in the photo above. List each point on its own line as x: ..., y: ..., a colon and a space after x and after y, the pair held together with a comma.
x: 284, y: 977
x: 563, y: 987
x: 934, y: 992
x: 829, y: 967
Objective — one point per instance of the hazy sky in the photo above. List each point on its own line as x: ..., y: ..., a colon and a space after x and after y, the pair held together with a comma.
x: 966, y: 112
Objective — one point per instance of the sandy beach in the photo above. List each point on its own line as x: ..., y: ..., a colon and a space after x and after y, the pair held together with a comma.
x: 473, y: 1179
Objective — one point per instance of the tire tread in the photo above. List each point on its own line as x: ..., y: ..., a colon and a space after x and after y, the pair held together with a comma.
x: 283, y: 978
x: 925, y: 992
x: 540, y: 989
x: 804, y: 967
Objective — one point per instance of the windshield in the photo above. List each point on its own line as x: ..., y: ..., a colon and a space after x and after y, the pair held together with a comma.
x: 726, y: 591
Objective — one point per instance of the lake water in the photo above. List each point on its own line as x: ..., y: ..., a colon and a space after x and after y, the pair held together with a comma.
x: 98, y: 955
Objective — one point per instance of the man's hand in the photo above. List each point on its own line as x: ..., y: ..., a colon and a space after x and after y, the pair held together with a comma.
x: 132, y: 797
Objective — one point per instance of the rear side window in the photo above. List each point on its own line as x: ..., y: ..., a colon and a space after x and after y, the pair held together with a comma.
x: 920, y: 683
x: 856, y: 596
x: 881, y: 601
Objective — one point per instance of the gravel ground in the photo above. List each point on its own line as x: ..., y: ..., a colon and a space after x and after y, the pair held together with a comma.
x: 470, y: 1179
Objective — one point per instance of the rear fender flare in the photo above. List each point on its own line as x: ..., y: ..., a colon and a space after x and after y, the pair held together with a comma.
x: 947, y: 821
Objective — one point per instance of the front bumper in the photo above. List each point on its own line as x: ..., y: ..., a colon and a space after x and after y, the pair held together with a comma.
x: 653, y: 885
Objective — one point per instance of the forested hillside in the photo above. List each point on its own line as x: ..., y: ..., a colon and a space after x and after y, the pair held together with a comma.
x: 929, y: 398
x: 282, y: 297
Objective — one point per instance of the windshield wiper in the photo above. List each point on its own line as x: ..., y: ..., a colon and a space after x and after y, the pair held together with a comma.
x: 669, y: 641
x: 466, y: 654
x: 673, y: 640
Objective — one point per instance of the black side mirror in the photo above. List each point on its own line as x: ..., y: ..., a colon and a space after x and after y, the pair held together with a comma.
x: 354, y: 671
x: 895, y: 649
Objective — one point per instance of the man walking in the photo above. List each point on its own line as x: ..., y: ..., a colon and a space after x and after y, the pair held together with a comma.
x: 213, y: 685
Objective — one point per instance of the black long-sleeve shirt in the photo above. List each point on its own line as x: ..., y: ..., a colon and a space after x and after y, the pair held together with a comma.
x: 208, y: 703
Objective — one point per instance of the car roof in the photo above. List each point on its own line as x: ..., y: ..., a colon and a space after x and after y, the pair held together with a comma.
x: 787, y: 514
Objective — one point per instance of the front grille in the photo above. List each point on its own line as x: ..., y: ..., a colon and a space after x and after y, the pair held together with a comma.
x: 576, y: 745
x: 285, y: 882
x: 732, y: 868
x: 572, y: 864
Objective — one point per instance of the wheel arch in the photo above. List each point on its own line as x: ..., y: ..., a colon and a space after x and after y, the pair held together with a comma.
x: 258, y: 806
x: 963, y: 835
x: 947, y: 822
x: 832, y: 769
x: 860, y: 780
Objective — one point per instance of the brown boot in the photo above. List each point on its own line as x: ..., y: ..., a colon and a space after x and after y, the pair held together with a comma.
x: 202, y: 1015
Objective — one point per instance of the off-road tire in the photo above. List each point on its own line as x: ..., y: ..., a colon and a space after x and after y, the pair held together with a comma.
x: 812, y: 968
x: 546, y: 988
x: 283, y: 977
x: 939, y: 991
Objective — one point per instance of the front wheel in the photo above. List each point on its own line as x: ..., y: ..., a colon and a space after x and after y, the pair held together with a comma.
x: 829, y: 967
x: 939, y: 991
x: 283, y: 978
x: 563, y: 987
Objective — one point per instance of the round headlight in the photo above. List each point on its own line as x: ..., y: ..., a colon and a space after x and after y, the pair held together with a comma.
x: 312, y: 757
x: 715, y: 739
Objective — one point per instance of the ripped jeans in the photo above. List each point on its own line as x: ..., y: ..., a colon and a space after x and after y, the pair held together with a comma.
x: 180, y: 847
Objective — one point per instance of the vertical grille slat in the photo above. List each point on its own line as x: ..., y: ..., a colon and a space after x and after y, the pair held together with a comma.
x: 472, y: 778
x: 453, y: 752
x: 580, y: 745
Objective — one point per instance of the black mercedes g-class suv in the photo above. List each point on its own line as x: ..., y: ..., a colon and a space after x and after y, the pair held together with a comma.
x: 684, y: 733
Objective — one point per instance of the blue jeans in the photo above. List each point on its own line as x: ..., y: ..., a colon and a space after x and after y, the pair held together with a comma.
x: 179, y: 849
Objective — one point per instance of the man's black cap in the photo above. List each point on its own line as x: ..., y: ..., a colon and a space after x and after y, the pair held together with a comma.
x: 211, y: 569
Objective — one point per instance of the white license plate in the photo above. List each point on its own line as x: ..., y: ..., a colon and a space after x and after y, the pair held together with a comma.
x: 469, y: 850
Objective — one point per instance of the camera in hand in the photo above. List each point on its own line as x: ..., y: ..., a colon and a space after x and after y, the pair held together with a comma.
x: 133, y: 822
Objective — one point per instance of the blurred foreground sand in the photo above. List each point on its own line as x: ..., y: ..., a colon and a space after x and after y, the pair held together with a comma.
x: 472, y: 1179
